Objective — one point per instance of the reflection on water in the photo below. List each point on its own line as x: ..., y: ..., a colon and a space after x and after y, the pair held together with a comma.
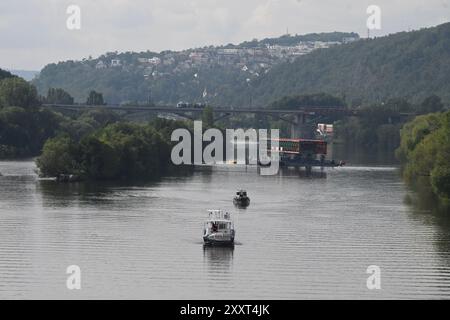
x: 218, y: 258
x: 303, y: 236
x: 358, y: 156
x: 432, y: 211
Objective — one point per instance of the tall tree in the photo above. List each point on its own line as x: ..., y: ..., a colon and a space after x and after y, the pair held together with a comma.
x: 431, y: 104
x: 17, y: 92
x: 95, y: 99
x: 58, y: 96
x: 208, y: 117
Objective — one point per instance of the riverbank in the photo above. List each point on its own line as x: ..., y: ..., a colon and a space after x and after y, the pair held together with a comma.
x: 425, y: 153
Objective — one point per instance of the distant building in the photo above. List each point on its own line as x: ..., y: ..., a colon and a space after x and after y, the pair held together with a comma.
x: 101, y: 65
x: 154, y: 61
x: 348, y: 39
x: 228, y: 51
x: 115, y: 63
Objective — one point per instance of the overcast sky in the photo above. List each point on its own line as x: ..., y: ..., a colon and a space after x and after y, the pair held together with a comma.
x: 34, y: 33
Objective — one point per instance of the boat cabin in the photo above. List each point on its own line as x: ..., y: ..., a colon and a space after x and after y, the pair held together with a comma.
x: 241, y: 193
x: 218, y: 221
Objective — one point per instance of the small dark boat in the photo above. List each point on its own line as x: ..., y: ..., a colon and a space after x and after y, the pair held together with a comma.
x: 241, y: 199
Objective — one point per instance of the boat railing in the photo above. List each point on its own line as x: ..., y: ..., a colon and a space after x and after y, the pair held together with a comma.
x: 219, y: 215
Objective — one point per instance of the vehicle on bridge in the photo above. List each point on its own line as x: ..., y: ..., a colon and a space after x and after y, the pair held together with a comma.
x: 182, y: 104
x: 187, y: 105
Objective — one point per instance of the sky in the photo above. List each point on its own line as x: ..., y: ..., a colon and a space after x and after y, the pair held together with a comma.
x: 34, y: 33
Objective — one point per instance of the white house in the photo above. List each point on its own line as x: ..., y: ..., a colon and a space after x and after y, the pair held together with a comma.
x: 115, y: 63
x: 101, y: 65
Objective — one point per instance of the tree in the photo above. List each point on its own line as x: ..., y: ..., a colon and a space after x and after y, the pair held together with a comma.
x: 17, y: 92
x: 59, y: 156
x: 440, y: 180
x: 95, y: 99
x: 98, y: 159
x: 425, y: 152
x: 58, y: 96
x: 208, y: 117
x: 431, y: 104
x: 118, y: 151
x: 5, y: 74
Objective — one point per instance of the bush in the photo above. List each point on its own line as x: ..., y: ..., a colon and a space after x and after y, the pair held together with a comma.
x: 425, y: 152
x: 440, y: 181
x: 59, y: 156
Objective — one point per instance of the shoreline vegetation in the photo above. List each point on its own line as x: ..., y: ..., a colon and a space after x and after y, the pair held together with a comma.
x: 117, y: 151
x: 424, y: 153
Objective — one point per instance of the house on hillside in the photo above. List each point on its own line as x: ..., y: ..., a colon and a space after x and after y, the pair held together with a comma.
x: 154, y: 61
x: 101, y: 65
x: 115, y: 63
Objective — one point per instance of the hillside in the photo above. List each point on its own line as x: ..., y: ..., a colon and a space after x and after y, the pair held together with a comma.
x: 5, y: 74
x: 25, y: 74
x: 412, y: 65
x: 209, y: 74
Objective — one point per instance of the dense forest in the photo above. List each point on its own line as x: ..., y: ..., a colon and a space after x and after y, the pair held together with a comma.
x: 411, y: 65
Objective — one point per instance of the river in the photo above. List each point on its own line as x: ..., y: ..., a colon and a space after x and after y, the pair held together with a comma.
x: 302, y: 237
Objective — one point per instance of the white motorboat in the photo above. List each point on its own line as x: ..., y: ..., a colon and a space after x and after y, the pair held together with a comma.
x: 219, y: 228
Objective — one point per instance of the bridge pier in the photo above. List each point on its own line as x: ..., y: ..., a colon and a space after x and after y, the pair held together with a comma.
x: 300, y: 128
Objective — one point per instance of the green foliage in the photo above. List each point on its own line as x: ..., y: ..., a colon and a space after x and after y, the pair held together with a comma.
x: 307, y: 100
x: 58, y: 96
x: 118, y: 151
x: 431, y: 104
x: 413, y: 65
x: 134, y: 82
x: 5, y: 74
x: 376, y: 127
x: 98, y: 159
x: 95, y: 99
x: 165, y: 127
x: 414, y: 132
x: 24, y: 128
x: 407, y: 64
x: 58, y: 157
x: 17, y: 92
x: 208, y: 117
x: 23, y: 132
x: 291, y: 40
x: 425, y: 151
x: 440, y: 181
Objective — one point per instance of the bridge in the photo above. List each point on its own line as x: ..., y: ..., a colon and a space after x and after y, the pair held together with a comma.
x: 303, y: 121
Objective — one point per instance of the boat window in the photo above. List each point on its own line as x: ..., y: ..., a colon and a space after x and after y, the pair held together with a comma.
x: 223, y: 225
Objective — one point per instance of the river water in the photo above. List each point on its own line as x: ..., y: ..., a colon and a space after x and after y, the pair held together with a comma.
x: 302, y: 237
